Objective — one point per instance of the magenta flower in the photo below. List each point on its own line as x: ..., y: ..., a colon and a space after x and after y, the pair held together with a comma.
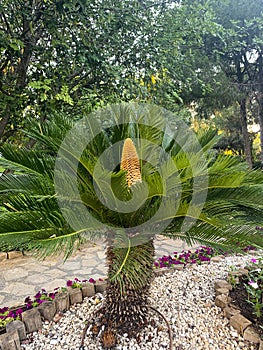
x: 253, y: 260
x: 38, y: 295
x: 91, y: 280
x: 69, y: 283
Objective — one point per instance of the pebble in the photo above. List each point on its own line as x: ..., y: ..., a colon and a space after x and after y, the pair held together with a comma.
x: 185, y: 297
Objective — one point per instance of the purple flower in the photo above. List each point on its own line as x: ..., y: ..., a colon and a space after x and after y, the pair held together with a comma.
x: 28, y: 300
x: 91, y: 280
x: 52, y: 295
x: 19, y: 313
x: 69, y: 283
x: 3, y: 310
x: 11, y: 314
x: 40, y: 301
x: 38, y: 295
x: 253, y: 260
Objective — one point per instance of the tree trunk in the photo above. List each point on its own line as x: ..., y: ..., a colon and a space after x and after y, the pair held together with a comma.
x: 4, y: 121
x: 20, y: 73
x: 260, y: 117
x: 260, y: 102
x: 126, y: 309
x: 247, y: 143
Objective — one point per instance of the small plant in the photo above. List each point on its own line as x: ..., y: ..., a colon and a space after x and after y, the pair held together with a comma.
x: 76, y: 283
x: 232, y: 279
x: 7, y: 316
x: 200, y: 255
x: 254, y: 286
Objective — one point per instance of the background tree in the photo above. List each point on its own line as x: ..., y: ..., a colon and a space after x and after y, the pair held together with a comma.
x: 237, y: 54
x: 77, y: 56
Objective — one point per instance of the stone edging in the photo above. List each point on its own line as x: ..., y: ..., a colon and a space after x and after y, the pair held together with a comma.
x: 17, y: 330
x: 52, y: 310
x: 241, y: 324
x: 10, y: 255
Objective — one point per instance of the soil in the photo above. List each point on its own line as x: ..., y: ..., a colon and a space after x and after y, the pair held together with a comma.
x: 239, y: 298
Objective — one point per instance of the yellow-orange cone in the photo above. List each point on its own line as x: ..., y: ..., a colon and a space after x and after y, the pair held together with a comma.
x: 130, y: 162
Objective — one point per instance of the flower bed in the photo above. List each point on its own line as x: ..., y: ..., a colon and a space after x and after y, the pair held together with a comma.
x: 203, y: 254
x: 8, y: 315
x: 247, y: 294
x: 241, y: 299
x: 47, y: 304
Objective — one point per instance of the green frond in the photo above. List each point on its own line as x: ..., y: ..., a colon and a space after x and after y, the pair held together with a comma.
x: 26, y: 161
x: 26, y: 183
x: 177, y: 168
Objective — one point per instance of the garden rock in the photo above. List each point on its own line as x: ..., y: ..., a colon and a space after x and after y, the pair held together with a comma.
x: 17, y: 326
x: 159, y: 272
x: 14, y: 255
x: 221, y: 301
x: 230, y: 311
x: 10, y: 341
x: 62, y: 301
x: 32, y: 320
x: 251, y: 335
x: 3, y: 256
x: 100, y: 286
x: 222, y: 291
x: 88, y: 290
x: 75, y: 296
x: 239, y: 322
x: 216, y: 259
x: 47, y: 310
x: 222, y: 284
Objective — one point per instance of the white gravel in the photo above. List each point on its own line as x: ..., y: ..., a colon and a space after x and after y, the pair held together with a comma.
x: 186, y: 298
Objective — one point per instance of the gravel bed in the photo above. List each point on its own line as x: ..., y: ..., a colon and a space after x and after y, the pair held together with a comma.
x: 185, y: 297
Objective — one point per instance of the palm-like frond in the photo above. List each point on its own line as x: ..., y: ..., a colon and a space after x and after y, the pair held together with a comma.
x: 178, y: 176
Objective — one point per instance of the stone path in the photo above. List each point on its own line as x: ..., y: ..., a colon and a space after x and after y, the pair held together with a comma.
x: 25, y: 276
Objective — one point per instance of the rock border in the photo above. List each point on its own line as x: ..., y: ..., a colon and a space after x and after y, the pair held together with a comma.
x: 32, y: 319
x: 10, y: 255
x: 240, y: 323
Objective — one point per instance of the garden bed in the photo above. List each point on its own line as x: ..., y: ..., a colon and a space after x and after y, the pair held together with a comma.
x: 175, y: 300
x: 238, y: 297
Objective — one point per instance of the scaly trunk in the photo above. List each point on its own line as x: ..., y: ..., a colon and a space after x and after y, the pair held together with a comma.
x: 126, y: 306
x: 127, y: 310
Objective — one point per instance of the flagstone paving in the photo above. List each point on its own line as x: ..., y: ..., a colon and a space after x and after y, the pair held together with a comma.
x: 25, y: 275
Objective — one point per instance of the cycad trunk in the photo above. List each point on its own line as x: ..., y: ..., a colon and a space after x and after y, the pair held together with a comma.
x: 126, y: 311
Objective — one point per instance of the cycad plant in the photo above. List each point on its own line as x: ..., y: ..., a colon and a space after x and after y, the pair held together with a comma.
x: 126, y: 173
